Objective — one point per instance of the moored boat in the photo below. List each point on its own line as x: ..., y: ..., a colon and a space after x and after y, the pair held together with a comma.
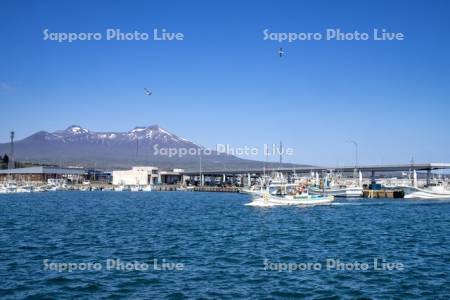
x: 135, y: 188
x: 338, y: 191
x: 435, y: 191
x: 147, y: 188
x: 121, y: 188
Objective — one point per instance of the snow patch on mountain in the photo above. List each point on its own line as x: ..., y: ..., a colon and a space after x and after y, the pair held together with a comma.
x: 75, y: 129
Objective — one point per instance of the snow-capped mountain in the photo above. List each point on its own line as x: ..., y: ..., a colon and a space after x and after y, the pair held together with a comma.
x: 151, y: 134
x: 83, y: 147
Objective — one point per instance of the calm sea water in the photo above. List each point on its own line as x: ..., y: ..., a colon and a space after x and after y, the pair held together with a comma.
x: 227, y: 250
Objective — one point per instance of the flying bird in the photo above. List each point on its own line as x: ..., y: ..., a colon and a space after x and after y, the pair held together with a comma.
x: 281, y: 52
x: 147, y: 92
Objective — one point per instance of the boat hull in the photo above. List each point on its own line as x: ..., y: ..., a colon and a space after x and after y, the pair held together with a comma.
x: 270, y: 200
x: 337, y: 192
x: 418, y: 193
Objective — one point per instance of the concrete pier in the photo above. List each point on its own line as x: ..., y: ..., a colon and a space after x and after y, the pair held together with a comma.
x: 383, y: 194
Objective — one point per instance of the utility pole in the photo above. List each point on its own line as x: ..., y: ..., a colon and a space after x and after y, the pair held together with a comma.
x: 11, y: 164
x: 201, y: 175
x: 356, y: 155
x: 411, y: 170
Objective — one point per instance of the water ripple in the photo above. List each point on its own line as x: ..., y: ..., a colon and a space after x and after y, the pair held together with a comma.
x: 222, y: 244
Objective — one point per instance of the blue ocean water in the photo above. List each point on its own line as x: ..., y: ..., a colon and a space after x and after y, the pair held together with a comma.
x: 227, y: 250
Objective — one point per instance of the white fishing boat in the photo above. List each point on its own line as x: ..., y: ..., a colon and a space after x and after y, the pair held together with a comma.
x: 438, y: 190
x: 301, y: 199
x: 337, y: 191
x: 147, y: 188
x: 122, y: 188
x: 287, y: 194
x: 135, y: 188
x: 254, y: 189
x: 51, y: 188
x: 39, y: 189
x: 25, y: 189
x: 330, y: 187
x: 434, y: 191
x: 11, y: 187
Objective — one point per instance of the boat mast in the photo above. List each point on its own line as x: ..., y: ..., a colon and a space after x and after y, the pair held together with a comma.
x: 281, y: 153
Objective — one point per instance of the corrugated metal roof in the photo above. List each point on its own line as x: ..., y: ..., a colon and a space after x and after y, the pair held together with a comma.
x: 45, y: 170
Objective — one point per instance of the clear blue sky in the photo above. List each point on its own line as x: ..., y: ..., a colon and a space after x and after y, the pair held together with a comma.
x: 224, y: 84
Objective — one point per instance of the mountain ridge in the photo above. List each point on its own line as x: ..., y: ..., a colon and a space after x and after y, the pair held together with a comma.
x: 78, y: 146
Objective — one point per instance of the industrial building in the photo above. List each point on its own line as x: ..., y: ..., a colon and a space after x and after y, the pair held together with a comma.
x: 43, y: 174
x: 146, y: 175
x: 136, y: 176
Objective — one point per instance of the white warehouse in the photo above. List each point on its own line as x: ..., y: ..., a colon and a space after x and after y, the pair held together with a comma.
x: 146, y: 176
x: 136, y: 176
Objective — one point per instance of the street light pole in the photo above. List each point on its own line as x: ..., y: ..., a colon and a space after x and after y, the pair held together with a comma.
x: 355, y: 144
x: 201, y: 175
x: 11, y: 163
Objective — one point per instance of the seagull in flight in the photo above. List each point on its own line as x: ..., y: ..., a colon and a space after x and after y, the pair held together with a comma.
x: 147, y: 92
x: 281, y: 52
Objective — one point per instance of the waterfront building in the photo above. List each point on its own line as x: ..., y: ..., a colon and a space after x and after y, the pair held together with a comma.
x: 136, y: 176
x: 146, y: 175
x: 171, y: 177
x: 43, y: 174
x: 100, y: 176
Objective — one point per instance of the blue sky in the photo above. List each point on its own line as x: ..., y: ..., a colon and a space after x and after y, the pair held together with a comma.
x: 225, y: 85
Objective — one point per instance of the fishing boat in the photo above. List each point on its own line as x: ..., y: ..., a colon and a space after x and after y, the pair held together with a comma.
x: 254, y: 189
x: 301, y: 199
x: 287, y: 194
x: 135, y: 188
x: 330, y: 187
x: 39, y: 189
x: 338, y: 191
x: 147, y: 188
x: 437, y: 190
x: 3, y: 189
x: 10, y: 187
x: 25, y: 189
x: 51, y: 188
x: 432, y: 191
x: 122, y: 188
